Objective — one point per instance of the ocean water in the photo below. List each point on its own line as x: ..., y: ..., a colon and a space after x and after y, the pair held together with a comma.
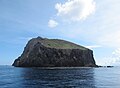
x: 13, y: 77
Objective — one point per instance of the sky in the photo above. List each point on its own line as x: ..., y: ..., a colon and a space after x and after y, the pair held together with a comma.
x: 91, y: 23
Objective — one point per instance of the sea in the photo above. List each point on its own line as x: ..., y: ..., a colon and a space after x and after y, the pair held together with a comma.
x: 59, y: 77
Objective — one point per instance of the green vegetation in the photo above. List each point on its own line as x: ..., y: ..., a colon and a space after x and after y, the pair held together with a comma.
x: 60, y: 44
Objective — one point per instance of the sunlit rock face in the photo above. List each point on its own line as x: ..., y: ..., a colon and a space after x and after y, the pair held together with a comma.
x: 43, y: 52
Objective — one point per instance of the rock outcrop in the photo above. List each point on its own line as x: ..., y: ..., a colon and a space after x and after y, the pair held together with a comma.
x: 43, y: 52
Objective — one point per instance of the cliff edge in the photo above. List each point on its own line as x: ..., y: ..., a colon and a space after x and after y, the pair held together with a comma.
x: 43, y: 52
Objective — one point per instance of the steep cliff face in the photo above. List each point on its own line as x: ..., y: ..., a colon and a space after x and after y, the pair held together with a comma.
x: 42, y: 52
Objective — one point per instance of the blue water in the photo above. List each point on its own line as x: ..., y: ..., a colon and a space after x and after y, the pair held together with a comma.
x: 12, y: 77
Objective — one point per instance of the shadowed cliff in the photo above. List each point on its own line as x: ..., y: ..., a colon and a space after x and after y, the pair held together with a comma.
x: 43, y: 52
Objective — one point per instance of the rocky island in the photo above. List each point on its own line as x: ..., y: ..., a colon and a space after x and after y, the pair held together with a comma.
x: 43, y: 52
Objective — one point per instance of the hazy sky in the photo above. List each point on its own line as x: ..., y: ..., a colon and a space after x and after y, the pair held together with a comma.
x: 91, y: 23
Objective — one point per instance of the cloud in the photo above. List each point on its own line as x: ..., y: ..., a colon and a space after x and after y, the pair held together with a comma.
x: 116, y: 55
x: 114, y: 59
x: 111, y: 39
x: 117, y: 52
x: 52, y: 23
x: 93, y: 46
x: 75, y: 10
x: 106, y: 61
